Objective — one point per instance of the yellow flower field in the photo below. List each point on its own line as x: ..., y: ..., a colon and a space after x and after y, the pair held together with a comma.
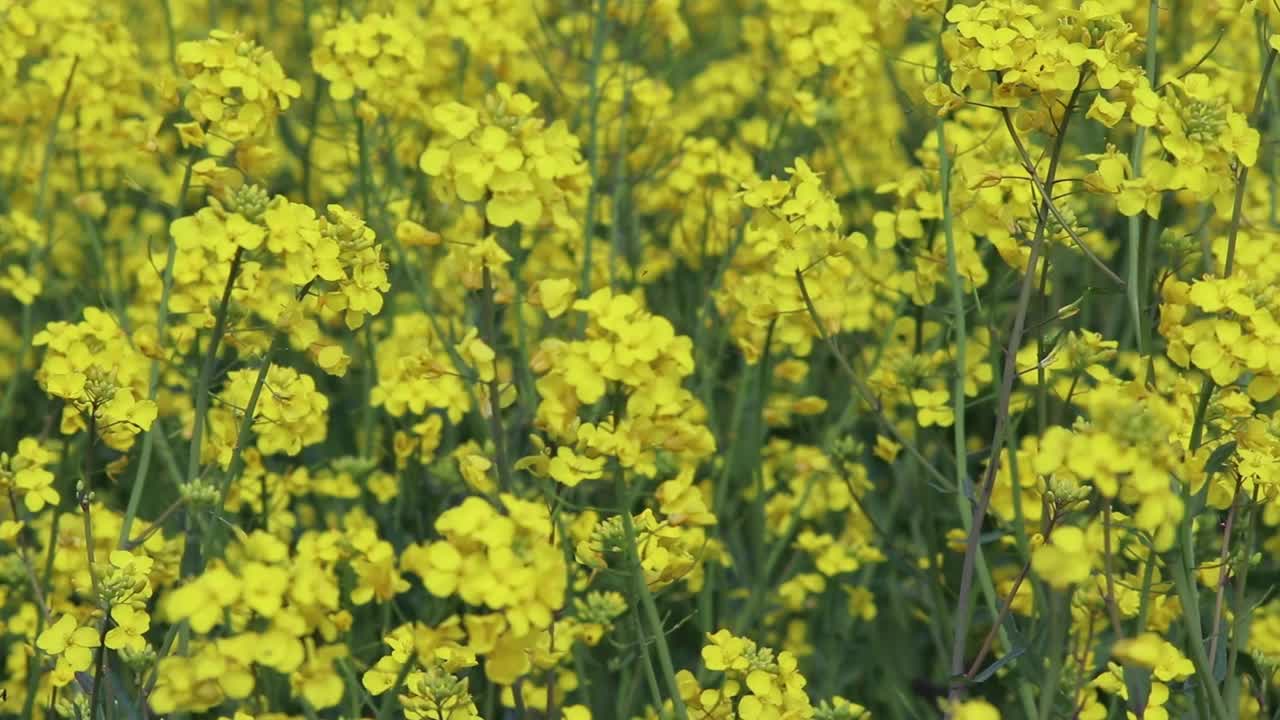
x: 639, y: 359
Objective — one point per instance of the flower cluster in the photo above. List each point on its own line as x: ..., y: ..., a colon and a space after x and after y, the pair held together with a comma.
x: 373, y: 55
x: 479, y: 358
x: 523, y: 170
x: 289, y: 414
x: 794, y: 230
x: 761, y: 685
x: 499, y: 557
x: 103, y: 379
x: 237, y: 87
x: 24, y: 475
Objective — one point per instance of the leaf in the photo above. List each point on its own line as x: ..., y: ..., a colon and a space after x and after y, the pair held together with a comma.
x: 991, y: 669
x: 1220, y: 657
x: 1218, y: 459
x: 1138, y: 682
x: 991, y: 536
x: 121, y: 696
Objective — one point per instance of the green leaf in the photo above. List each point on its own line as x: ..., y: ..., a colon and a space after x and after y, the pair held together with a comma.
x: 1138, y: 682
x: 1219, y: 457
x: 991, y: 669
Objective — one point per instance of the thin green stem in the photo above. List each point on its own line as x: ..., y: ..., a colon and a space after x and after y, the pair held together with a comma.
x: 156, y: 525
x: 647, y: 603
x: 203, y: 385
x: 1221, y: 583
x: 41, y: 206
x: 489, y: 311
x: 598, y: 35
x: 1113, y: 611
x: 959, y: 436
x: 1191, y: 608
x: 153, y: 383
x: 1051, y: 678
x: 963, y: 614
x: 764, y: 583
x: 1134, y: 286
x: 362, y: 145
x: 958, y: 322
x: 646, y: 664
x: 863, y: 391
x: 1240, y: 624
x: 28, y: 566
x: 100, y: 667
x: 313, y: 119
x: 1242, y: 176
x: 86, y: 497
x: 246, y: 423
x: 1195, y: 637
x: 368, y: 420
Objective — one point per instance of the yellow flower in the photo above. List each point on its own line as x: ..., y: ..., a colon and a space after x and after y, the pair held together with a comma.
x: 25, y: 288
x: 523, y: 170
x: 1151, y: 651
x: 933, y: 407
x: 291, y: 413
x: 25, y: 475
x: 377, y: 577
x: 1146, y: 106
x: 131, y: 624
x: 886, y: 449
x: 1106, y: 112
x: 263, y: 587
x: 237, y: 87
x: 1065, y: 560
x: 727, y: 652
x: 94, y: 367
x: 508, y: 563
x: 383, y: 56
x: 975, y: 710
x: 73, y: 643
x: 555, y: 295
x: 317, y: 681
x: 570, y: 468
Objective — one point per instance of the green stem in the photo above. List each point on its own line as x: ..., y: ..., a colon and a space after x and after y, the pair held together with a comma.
x: 246, y: 424
x: 368, y: 420
x: 1190, y: 607
x: 958, y: 399
x: 206, y: 372
x: 973, y: 546
x: 101, y: 666
x: 1195, y: 637
x: 598, y: 34
x: 317, y: 95
x: 156, y: 525
x: 1135, y: 221
x: 764, y: 582
x: 1240, y: 626
x: 958, y: 322
x: 1216, y: 626
x: 153, y: 383
x: 1237, y: 209
x: 86, y: 497
x: 863, y: 391
x: 495, y: 399
x: 1058, y: 625
x: 41, y: 206
x: 646, y: 664
x: 647, y: 603
x: 362, y: 144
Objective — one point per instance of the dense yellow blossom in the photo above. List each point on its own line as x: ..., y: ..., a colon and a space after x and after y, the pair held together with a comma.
x: 699, y: 359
